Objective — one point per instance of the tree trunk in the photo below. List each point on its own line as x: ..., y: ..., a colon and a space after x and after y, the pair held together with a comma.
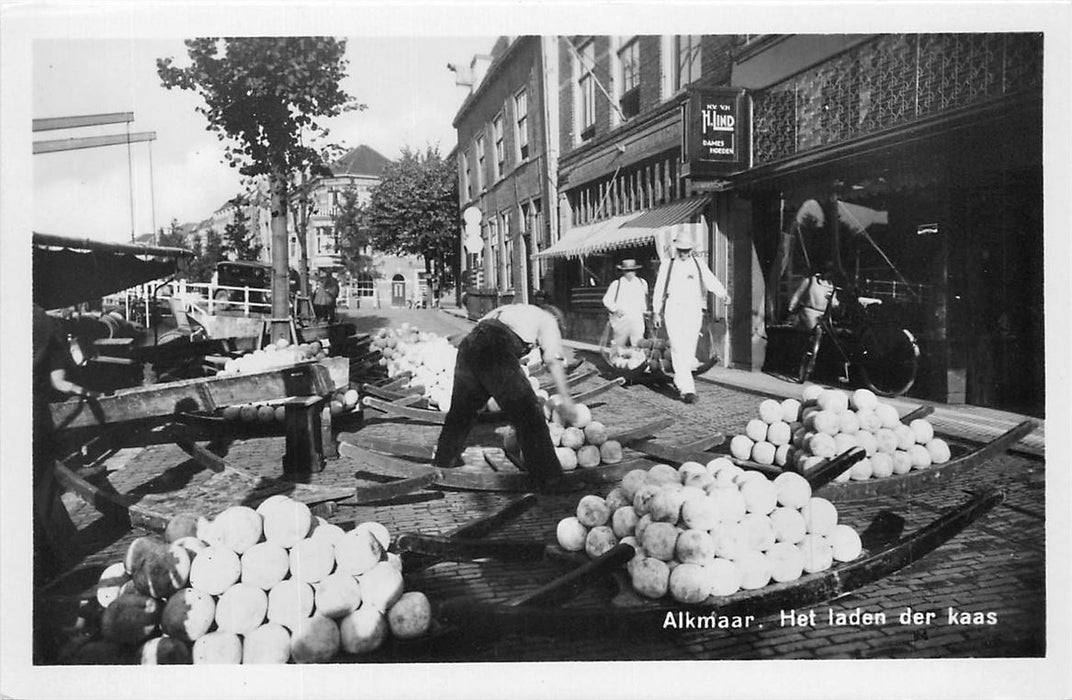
x: 301, y: 226
x: 280, y: 256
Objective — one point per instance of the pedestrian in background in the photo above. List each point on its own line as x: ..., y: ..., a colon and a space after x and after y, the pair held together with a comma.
x: 679, y: 297
x: 627, y: 300
x: 810, y: 300
x: 488, y: 365
x: 325, y: 296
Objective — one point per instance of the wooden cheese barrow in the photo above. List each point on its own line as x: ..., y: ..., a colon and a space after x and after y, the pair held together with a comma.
x: 543, y: 611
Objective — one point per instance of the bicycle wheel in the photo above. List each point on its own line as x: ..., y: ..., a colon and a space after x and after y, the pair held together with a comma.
x: 811, y: 353
x: 888, y: 360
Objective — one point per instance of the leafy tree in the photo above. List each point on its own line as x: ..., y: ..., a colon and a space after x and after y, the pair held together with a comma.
x: 205, y: 257
x: 263, y: 95
x: 353, y: 232
x: 414, y: 211
x: 172, y: 236
x: 238, y: 236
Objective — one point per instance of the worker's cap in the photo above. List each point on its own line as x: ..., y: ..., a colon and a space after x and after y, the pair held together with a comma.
x: 628, y: 264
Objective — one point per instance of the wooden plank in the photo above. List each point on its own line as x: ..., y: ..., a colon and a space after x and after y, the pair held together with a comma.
x: 445, y: 548
x: 190, y: 395
x: 390, y: 447
x: 493, y: 521
x: 601, y: 389
x: 391, y: 490
x: 565, y: 587
x: 198, y: 453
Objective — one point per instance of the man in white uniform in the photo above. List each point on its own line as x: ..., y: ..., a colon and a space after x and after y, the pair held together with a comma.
x: 626, y: 299
x: 679, y: 297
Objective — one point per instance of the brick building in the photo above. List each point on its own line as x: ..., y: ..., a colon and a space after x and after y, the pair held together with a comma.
x: 506, y: 169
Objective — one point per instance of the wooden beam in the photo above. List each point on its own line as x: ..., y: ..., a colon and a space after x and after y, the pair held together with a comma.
x: 190, y: 395
x: 91, y: 142
x: 52, y: 123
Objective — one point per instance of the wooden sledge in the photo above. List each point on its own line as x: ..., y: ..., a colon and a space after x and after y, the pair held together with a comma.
x: 542, y: 611
x: 381, y: 457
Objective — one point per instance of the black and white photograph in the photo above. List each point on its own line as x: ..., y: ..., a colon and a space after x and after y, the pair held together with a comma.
x: 535, y: 350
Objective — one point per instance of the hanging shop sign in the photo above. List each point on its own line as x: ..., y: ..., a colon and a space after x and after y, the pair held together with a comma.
x: 717, y: 133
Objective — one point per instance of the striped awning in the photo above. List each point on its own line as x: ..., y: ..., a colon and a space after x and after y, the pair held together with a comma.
x: 625, y: 231
x: 678, y: 212
x: 579, y: 240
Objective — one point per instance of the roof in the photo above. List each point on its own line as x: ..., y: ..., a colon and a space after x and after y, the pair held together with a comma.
x: 362, y: 160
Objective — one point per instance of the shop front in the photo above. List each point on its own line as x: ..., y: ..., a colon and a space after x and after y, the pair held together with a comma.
x: 943, y: 230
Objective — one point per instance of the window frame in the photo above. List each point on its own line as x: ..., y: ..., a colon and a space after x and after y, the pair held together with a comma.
x: 467, y: 182
x: 500, y: 146
x: 478, y: 147
x: 521, y: 124
x: 507, y: 251
x: 628, y: 77
x: 585, y: 103
x: 695, y: 60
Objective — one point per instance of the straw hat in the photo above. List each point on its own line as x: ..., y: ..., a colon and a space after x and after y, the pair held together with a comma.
x: 628, y: 264
x: 683, y: 240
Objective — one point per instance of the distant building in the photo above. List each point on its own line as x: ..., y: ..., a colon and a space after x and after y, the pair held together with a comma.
x: 390, y: 280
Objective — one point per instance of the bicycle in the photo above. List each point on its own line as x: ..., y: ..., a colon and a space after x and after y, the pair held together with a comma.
x: 884, y: 355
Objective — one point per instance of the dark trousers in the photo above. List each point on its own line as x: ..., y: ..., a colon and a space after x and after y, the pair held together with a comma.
x: 324, y: 312
x: 488, y: 364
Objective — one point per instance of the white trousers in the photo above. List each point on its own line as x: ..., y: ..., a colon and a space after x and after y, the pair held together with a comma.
x: 683, y: 329
x: 628, y: 327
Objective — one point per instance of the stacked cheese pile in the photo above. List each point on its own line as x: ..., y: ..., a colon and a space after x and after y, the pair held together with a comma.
x: 281, y: 353
x: 581, y: 442
x: 711, y: 530
x: 799, y: 434
x: 270, y: 585
x: 428, y: 357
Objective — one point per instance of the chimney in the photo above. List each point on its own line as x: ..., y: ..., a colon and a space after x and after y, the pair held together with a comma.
x: 479, y: 68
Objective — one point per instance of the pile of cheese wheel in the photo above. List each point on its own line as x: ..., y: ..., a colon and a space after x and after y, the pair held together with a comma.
x: 427, y: 356
x: 800, y: 434
x: 341, y: 400
x: 281, y: 353
x: 580, y: 442
x: 270, y: 585
x: 711, y: 530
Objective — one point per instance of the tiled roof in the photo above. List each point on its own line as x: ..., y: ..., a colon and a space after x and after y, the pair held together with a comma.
x: 362, y: 160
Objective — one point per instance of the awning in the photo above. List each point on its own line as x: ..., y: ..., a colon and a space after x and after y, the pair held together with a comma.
x: 627, y: 230
x: 67, y: 271
x: 578, y: 240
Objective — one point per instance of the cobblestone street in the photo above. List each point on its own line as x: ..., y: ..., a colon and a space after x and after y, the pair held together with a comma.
x: 996, y: 566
